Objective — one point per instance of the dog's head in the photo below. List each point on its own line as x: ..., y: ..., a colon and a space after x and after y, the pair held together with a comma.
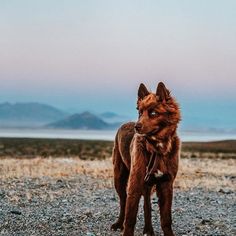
x: 159, y: 113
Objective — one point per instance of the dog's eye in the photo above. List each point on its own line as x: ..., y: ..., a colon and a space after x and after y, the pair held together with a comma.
x: 153, y: 113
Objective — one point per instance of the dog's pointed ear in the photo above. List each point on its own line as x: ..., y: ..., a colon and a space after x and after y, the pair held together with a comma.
x: 162, y: 92
x: 142, y: 91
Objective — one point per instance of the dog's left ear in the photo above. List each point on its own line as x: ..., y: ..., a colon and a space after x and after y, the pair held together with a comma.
x: 162, y: 92
x: 142, y: 91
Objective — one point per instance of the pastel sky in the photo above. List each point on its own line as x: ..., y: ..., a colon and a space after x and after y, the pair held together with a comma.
x: 92, y: 55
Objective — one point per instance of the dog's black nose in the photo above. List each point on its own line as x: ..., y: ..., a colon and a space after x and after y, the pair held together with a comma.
x: 138, y: 126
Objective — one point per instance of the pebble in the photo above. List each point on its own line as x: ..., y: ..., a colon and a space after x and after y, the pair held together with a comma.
x: 226, y: 191
x: 15, y: 212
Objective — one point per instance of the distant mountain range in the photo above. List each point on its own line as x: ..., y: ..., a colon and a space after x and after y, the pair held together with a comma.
x: 85, y: 120
x: 31, y: 115
x: 28, y: 114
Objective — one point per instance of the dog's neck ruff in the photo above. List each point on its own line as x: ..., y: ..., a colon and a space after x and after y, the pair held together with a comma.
x: 154, y: 141
x: 158, y: 149
x: 160, y: 145
x: 157, y: 145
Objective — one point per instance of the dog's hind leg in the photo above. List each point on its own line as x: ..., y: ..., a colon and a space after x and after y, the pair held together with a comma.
x: 121, y: 175
x: 148, y: 229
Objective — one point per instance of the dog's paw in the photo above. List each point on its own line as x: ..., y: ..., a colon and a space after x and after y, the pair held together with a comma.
x: 148, y: 232
x: 168, y: 232
x: 117, y: 226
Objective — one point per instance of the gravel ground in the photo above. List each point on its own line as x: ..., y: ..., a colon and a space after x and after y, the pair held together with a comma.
x: 83, y: 205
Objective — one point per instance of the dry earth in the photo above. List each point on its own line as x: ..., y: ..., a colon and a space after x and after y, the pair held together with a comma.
x: 69, y: 196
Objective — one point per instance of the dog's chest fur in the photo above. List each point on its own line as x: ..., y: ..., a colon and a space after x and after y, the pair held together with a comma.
x: 159, y: 148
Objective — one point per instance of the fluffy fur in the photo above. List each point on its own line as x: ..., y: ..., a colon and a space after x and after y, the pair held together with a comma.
x: 154, y: 134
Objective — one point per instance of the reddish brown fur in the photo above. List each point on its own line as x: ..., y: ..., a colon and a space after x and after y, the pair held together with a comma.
x: 131, y: 154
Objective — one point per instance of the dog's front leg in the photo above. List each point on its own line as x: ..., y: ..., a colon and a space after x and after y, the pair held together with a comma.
x: 131, y: 211
x: 165, y: 195
x: 134, y: 192
x: 148, y: 229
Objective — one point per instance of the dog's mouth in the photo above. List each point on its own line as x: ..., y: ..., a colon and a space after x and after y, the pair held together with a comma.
x: 158, y: 128
x: 150, y: 133
x: 153, y: 132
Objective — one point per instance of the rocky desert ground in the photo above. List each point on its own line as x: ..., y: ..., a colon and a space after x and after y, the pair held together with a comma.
x: 69, y: 196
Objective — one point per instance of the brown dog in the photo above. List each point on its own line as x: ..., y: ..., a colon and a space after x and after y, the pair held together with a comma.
x: 146, y: 155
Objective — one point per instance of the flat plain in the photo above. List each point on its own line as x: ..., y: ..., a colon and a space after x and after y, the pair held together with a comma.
x: 65, y: 187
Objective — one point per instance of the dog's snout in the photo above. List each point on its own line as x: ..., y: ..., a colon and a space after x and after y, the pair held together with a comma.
x: 138, y: 126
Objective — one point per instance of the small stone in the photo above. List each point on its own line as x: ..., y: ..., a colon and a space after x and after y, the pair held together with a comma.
x: 113, y: 199
x: 88, y: 214
x: 204, y: 222
x: 155, y: 201
x: 90, y: 234
x: 226, y: 191
x: 16, y: 212
x: 2, y: 193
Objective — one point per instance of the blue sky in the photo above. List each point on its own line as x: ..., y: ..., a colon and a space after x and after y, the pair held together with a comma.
x: 92, y: 55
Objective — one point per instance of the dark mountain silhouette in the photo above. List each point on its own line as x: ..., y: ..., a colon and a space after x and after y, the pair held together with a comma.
x: 85, y: 120
x: 28, y: 114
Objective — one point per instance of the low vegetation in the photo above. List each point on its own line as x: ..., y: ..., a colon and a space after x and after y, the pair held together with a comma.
x: 30, y: 148
x: 93, y: 149
x: 201, y: 163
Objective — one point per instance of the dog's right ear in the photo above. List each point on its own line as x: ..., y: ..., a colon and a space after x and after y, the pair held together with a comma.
x: 162, y: 92
x: 142, y: 91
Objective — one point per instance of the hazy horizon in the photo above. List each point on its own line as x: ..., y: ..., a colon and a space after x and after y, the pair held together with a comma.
x: 92, y: 55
